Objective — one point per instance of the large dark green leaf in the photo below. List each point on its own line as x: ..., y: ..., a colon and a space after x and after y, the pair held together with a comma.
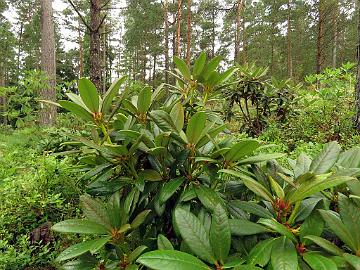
x: 350, y: 158
x: 220, y: 235
x: 278, y: 227
x: 334, y: 222
x: 144, y: 100
x: 208, y: 197
x: 350, y: 216
x: 210, y: 67
x: 241, y: 149
x: 326, y: 159
x: 318, y: 184
x: 252, y: 208
x: 81, y: 226
x: 169, y: 189
x: 182, y: 67
x: 325, y: 244
x: 89, y: 94
x: 194, y: 234
x: 284, y: 255
x: 319, y: 262
x: 111, y: 94
x: 199, y: 64
x: 79, y: 249
x: 260, y: 254
x: 302, y: 165
x: 241, y: 227
x: 171, y: 259
x: 251, y: 184
x: 177, y: 116
x: 95, y: 210
x: 76, y: 109
x: 195, y: 127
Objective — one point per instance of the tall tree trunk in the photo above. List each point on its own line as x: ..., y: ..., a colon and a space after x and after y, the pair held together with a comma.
x: 166, y: 36
x: 357, y: 90
x: 178, y: 31
x: 95, y: 53
x: 81, y: 52
x: 104, y: 62
x: 21, y: 30
x: 289, y: 45
x: 239, y: 7
x: 48, y: 63
x: 213, y: 34
x: 320, y: 37
x: 154, y: 70
x: 3, y: 101
x: 188, y: 32
x: 335, y: 32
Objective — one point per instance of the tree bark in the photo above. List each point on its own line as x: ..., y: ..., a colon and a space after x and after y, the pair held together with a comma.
x: 95, y: 53
x: 289, y: 45
x: 320, y: 38
x: 357, y: 89
x: 48, y: 63
x: 188, y: 32
x: 178, y: 31
x: 335, y: 32
x: 81, y: 52
x: 3, y: 101
x: 166, y: 36
x: 239, y: 7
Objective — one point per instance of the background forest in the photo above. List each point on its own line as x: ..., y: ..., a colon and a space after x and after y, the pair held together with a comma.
x: 180, y: 134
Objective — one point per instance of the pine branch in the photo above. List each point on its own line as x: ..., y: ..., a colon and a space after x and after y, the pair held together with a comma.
x: 81, y: 17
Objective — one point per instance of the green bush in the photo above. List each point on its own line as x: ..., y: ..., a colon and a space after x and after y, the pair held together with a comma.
x: 166, y: 192
x: 35, y: 189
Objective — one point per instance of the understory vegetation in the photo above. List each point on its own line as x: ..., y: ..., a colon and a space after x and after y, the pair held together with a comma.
x: 220, y: 169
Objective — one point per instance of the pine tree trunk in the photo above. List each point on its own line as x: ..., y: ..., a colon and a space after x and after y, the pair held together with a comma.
x: 320, y: 38
x: 81, y: 52
x: 188, y: 33
x: 95, y: 53
x: 166, y: 36
x: 3, y: 101
x: 335, y: 32
x: 289, y: 45
x: 238, y: 29
x: 48, y: 63
x: 178, y: 31
x: 357, y: 89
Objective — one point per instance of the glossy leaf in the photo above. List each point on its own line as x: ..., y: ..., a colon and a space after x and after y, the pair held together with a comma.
x: 182, y: 67
x: 319, y: 262
x: 260, y: 254
x: 326, y: 159
x: 76, y: 109
x: 284, y: 255
x: 241, y: 227
x: 81, y: 226
x: 199, y: 64
x: 278, y: 227
x: 169, y: 189
x: 177, y: 116
x: 220, y: 234
x: 241, y: 149
x: 171, y: 259
x: 335, y: 224
x: 144, y: 100
x: 89, y: 94
x: 163, y: 243
x: 194, y: 234
x: 111, y: 94
x: 195, y: 127
x: 251, y: 184
x: 325, y: 244
x: 77, y: 250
